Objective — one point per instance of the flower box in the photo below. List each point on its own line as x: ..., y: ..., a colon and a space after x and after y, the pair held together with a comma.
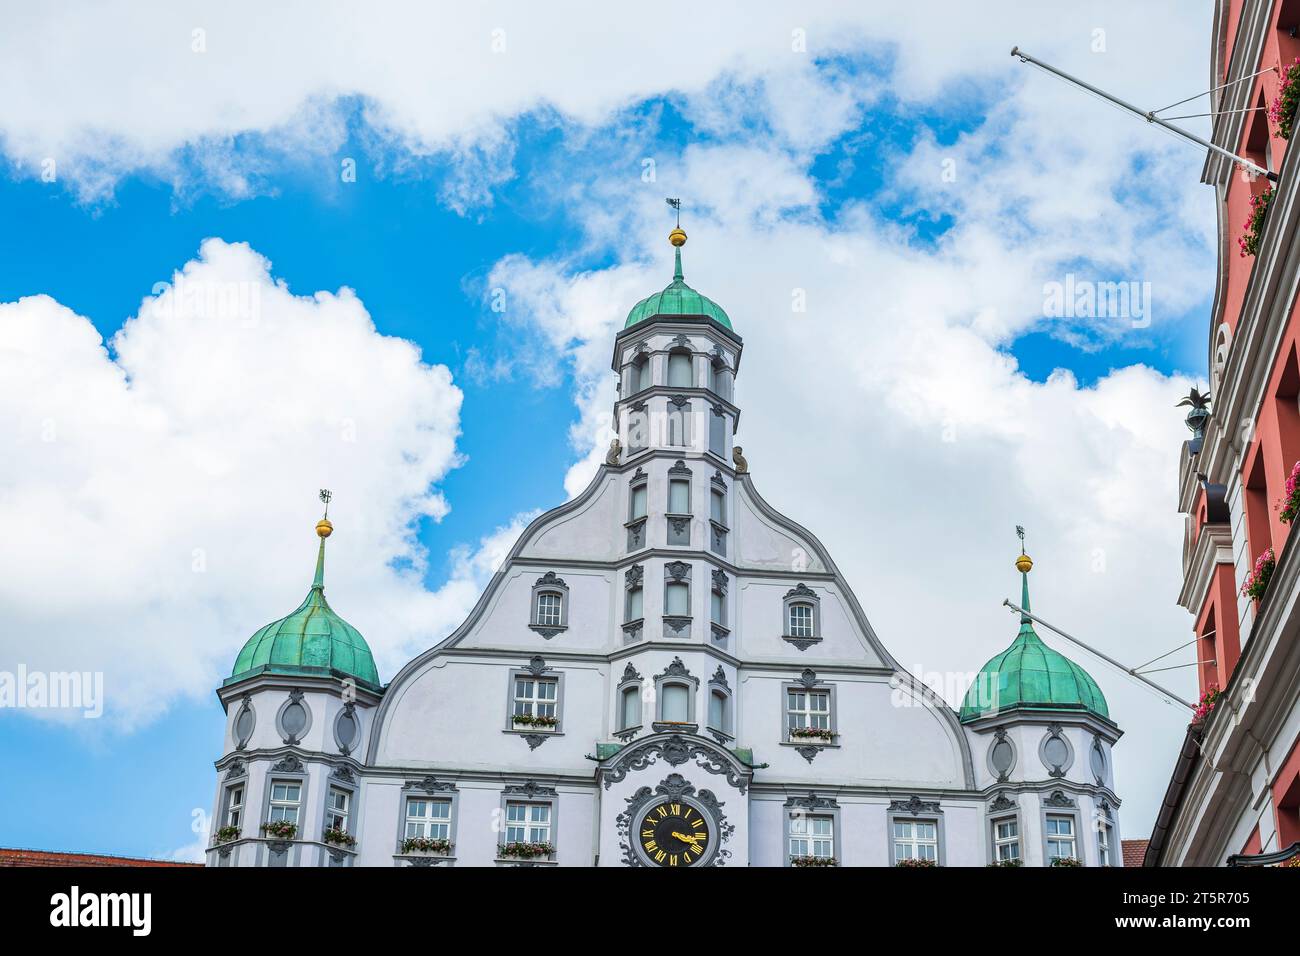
x: 225, y: 835
x: 1206, y: 705
x: 1256, y: 583
x: 1282, y: 112
x: 280, y: 830
x: 813, y: 861
x: 1291, y: 505
x: 339, y: 837
x: 1008, y: 863
x: 811, y: 735
x: 1254, y: 226
x: 1066, y: 861
x: 916, y: 864
x: 525, y: 851
x: 535, y: 723
x: 426, y: 846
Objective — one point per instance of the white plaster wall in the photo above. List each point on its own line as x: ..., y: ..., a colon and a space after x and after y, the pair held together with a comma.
x: 879, y: 743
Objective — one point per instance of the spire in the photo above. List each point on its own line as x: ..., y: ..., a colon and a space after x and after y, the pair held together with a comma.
x: 678, y: 238
x: 324, y: 529
x: 1024, y: 564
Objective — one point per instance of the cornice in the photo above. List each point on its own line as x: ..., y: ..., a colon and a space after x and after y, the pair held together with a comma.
x: 1213, y: 547
x: 1265, y: 310
x: 1247, y: 51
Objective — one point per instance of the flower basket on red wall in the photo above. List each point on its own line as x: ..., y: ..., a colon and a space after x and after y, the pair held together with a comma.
x: 1254, y: 226
x: 1282, y: 112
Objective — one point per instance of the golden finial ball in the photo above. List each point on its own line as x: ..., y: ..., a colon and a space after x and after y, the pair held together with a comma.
x: 324, y: 528
x: 1024, y: 564
x: 677, y: 237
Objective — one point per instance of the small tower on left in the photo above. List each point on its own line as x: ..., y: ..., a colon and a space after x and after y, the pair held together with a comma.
x: 298, y: 703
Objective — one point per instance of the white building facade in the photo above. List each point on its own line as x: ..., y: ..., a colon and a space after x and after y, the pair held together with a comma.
x: 666, y: 671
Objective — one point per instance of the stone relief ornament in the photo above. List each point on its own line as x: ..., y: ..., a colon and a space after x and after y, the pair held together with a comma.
x: 914, y: 806
x: 674, y: 750
x: 430, y: 785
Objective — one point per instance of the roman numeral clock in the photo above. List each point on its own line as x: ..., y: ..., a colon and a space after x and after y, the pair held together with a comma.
x: 674, y: 826
x: 674, y: 833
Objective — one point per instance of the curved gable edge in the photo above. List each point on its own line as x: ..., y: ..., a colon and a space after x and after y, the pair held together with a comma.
x: 924, y: 690
x: 416, y: 664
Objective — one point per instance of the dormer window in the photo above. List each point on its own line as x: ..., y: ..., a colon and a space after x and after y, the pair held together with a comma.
x: 803, y: 626
x: 550, y: 605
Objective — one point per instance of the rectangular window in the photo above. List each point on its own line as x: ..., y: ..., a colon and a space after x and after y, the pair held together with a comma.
x: 716, y: 605
x: 679, y: 424
x: 676, y: 704
x: 718, y: 711
x: 286, y: 797
x: 808, y: 708
x: 631, y: 708
x: 536, y: 696
x: 717, y: 433
x: 635, y: 604
x: 548, y: 610
x: 1103, y: 845
x: 428, y: 818
x: 677, y: 599
x: 916, y: 840
x: 679, y: 497
x: 639, y: 494
x: 801, y: 620
x: 528, y: 823
x: 718, y: 507
x: 1006, y: 839
x: 812, y: 835
x: 336, y: 808
x: 1060, y: 837
x: 679, y: 370
x: 235, y: 805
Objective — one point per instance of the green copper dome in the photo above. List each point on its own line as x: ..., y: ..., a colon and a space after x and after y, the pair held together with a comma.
x: 677, y: 299
x: 312, y: 641
x: 1029, y: 675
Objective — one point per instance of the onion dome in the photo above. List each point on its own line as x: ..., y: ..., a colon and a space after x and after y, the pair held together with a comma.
x: 677, y: 298
x: 1029, y: 675
x: 313, y: 641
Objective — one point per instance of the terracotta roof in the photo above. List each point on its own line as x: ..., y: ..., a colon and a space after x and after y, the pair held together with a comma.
x: 48, y: 858
x: 1135, y: 851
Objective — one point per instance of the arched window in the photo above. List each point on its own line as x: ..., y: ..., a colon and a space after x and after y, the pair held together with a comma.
x: 550, y: 614
x: 679, y: 369
x: 802, y: 625
x: 641, y: 373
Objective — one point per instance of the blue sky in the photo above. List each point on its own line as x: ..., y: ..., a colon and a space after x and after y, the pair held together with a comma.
x: 557, y: 209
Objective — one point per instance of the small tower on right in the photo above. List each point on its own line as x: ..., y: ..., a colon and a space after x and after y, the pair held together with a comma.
x: 1041, y: 737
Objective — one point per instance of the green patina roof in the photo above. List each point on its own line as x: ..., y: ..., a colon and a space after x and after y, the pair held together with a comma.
x: 312, y: 641
x: 677, y: 299
x: 1029, y: 675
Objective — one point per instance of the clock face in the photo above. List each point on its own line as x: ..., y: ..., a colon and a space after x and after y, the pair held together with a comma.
x: 674, y: 833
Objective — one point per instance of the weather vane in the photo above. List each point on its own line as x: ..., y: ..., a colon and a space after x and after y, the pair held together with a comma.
x: 677, y: 205
x: 325, y: 496
x: 1020, y: 533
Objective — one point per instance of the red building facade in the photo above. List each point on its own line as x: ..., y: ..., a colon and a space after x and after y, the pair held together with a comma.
x: 1235, y: 788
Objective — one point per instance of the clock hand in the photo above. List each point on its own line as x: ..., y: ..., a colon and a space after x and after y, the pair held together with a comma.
x: 686, y: 839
